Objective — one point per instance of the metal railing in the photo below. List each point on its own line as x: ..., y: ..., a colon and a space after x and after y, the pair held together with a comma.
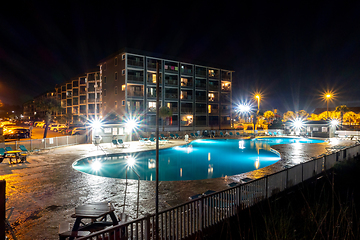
x: 189, y: 218
x: 47, y: 143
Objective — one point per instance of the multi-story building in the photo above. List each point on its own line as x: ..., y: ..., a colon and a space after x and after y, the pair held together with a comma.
x: 79, y: 96
x: 198, y: 95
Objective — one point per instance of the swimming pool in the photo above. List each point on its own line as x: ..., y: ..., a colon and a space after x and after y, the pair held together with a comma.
x: 200, y: 159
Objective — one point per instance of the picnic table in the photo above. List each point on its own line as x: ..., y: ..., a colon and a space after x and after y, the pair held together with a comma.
x: 98, y: 213
x: 14, y: 154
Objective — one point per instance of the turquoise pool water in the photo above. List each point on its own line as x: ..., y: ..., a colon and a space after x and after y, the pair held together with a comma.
x: 201, y: 159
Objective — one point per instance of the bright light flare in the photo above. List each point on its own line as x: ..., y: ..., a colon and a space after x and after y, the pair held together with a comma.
x: 131, y: 161
x: 298, y: 123
x: 96, y: 124
x: 96, y: 165
x: 334, y: 122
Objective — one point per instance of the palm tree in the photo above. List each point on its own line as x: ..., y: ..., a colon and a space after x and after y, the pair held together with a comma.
x: 47, y: 106
x: 269, y: 115
x: 342, y: 109
x: 164, y: 112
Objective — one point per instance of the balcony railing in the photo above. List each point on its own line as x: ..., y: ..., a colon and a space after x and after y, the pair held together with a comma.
x: 135, y: 94
x: 171, y: 96
x: 186, y: 71
x: 135, y: 78
x: 135, y: 63
x: 200, y: 98
x: 186, y: 110
x: 170, y: 82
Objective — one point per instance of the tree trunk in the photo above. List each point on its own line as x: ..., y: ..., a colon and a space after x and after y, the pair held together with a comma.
x: 46, y: 129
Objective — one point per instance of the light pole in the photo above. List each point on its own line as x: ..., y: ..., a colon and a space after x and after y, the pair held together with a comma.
x: 328, y: 97
x: 257, y: 96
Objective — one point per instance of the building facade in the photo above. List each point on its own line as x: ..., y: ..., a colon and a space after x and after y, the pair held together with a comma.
x: 199, y: 96
x: 79, y: 96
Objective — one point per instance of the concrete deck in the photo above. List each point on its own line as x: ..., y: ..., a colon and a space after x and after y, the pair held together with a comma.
x: 46, y: 189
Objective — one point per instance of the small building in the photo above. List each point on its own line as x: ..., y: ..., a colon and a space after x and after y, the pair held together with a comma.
x: 321, y: 129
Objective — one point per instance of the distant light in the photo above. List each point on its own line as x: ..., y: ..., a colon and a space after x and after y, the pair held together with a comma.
x: 334, y: 122
x: 131, y: 124
x: 298, y: 123
x: 96, y: 124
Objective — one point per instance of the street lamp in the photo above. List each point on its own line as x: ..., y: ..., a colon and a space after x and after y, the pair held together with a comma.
x: 327, y: 97
x: 257, y: 96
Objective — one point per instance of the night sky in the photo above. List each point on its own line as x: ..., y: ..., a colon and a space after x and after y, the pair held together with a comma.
x: 290, y: 51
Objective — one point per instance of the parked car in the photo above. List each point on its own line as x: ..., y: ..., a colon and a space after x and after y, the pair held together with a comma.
x: 17, y: 133
x: 59, y: 127
x: 79, y: 131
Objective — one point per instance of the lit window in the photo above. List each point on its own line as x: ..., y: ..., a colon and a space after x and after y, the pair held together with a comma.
x: 211, y: 73
x: 209, y: 108
x: 154, y: 78
x: 123, y: 87
x: 168, y: 105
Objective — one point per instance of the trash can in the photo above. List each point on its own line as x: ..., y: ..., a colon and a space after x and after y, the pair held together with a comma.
x: 97, y: 140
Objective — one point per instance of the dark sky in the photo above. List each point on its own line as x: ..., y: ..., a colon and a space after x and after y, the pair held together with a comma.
x: 290, y: 51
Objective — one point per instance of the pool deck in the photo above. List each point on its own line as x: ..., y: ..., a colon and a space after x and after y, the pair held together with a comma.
x: 46, y: 189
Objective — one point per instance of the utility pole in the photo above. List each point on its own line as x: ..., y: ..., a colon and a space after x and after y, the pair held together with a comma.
x: 157, y: 150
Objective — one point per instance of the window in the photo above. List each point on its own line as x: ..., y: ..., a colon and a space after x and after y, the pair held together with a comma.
x: 116, y: 105
x: 123, y: 102
x: 123, y: 72
x: 123, y: 57
x: 116, y: 76
x: 104, y: 66
x: 104, y: 92
x: 116, y: 90
x: 116, y: 61
x: 123, y: 87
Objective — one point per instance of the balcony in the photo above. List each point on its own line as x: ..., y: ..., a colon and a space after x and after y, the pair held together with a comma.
x: 173, y: 96
x: 135, y: 62
x: 135, y: 94
x: 185, y: 110
x: 186, y: 71
x: 171, y: 68
x: 136, y: 79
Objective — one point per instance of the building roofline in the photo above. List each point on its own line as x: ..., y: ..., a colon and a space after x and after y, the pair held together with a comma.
x: 165, y: 57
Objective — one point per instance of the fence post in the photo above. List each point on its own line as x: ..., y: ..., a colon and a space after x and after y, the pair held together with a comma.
x: 16, y: 143
x: 267, y: 186
x: 31, y: 145
x: 201, y: 214
x: 44, y: 143
x: 2, y: 208
x: 147, y: 226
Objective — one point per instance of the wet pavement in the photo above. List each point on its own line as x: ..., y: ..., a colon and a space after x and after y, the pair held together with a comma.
x: 46, y: 189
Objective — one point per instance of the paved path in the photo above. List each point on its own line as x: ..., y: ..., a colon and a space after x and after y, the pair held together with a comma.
x: 46, y: 189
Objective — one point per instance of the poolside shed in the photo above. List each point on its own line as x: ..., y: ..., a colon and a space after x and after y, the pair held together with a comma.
x: 321, y: 129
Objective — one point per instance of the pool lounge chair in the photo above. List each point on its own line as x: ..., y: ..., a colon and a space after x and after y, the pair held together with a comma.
x: 2, y: 154
x: 237, y: 134
x: 23, y: 154
x: 172, y: 136
x: 8, y: 148
x: 122, y: 144
x: 231, y: 134
x: 162, y: 136
x: 221, y: 134
x: 177, y: 136
x: 192, y: 135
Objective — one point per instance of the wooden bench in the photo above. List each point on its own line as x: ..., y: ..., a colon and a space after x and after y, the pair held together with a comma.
x: 66, y: 232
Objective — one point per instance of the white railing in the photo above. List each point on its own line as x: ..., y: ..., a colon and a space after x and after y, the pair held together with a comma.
x: 189, y: 218
x: 47, y: 143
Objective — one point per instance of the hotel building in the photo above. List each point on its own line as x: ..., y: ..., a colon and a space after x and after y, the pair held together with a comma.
x: 199, y: 96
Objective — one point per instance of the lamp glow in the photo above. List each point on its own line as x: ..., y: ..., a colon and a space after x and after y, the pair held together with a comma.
x: 130, y: 161
x: 96, y: 165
